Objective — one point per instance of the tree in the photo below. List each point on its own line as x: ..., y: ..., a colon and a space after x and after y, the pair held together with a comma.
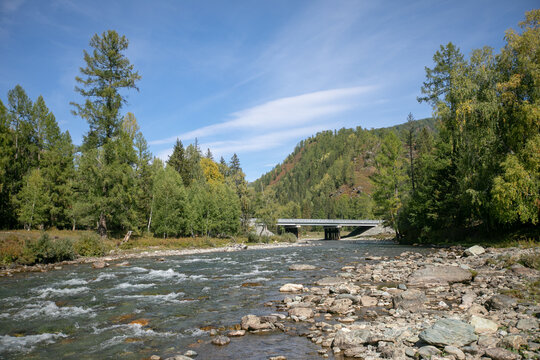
x: 178, y: 161
x: 169, y: 214
x: 33, y: 200
x: 410, y: 145
x: 389, y: 180
x: 107, y: 71
x: 107, y: 159
x: 211, y: 171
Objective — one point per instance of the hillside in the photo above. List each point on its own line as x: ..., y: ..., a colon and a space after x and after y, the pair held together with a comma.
x: 328, y: 175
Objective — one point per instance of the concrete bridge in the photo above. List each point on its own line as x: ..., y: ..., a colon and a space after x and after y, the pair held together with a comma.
x: 332, y: 228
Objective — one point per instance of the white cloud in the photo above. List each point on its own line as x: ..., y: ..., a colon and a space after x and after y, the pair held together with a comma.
x: 288, y: 112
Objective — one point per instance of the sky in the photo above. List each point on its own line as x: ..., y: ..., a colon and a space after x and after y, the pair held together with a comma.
x: 248, y: 77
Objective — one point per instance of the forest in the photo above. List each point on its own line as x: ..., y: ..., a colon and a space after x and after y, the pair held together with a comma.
x: 473, y: 168
x: 474, y: 165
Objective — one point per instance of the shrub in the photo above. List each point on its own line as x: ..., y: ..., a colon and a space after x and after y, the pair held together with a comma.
x: 11, y: 249
x: 45, y: 250
x: 530, y: 260
x: 89, y: 245
x: 253, y: 238
x: 289, y: 237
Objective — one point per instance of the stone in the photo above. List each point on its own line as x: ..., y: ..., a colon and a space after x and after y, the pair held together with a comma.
x: 329, y: 281
x: 410, y: 352
x: 527, y: 324
x: 412, y: 300
x: 297, y: 267
x: 483, y: 326
x: 487, y: 341
x: 452, y: 350
x: 449, y: 332
x: 439, y: 275
x: 280, y: 357
x: 191, y: 353
x: 253, y: 322
x: 341, y: 306
x: 402, y: 287
x: 99, y: 264
x: 501, y: 302
x: 426, y: 352
x: 347, y: 339
x: 368, y: 301
x: 501, y: 354
x: 344, y: 289
x: 179, y: 357
x: 236, y: 333
x: 291, y: 288
x: 155, y: 357
x: 512, y: 341
x: 355, y: 352
x: 301, y: 312
x: 474, y: 251
x: 467, y: 300
x: 221, y: 340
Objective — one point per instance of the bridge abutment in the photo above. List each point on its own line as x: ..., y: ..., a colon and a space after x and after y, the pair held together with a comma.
x: 332, y: 233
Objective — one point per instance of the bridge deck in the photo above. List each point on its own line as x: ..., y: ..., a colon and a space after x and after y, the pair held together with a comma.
x: 327, y: 222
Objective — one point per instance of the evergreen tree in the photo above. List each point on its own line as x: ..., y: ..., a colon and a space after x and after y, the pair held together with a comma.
x: 169, y: 210
x: 178, y: 161
x: 108, y: 158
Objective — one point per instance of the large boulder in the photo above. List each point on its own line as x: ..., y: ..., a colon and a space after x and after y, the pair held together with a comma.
x: 347, y: 339
x: 449, y: 332
x: 439, y: 275
x: 412, y: 300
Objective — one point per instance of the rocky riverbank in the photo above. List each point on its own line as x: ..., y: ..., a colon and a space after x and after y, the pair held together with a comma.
x: 123, y: 255
x: 450, y: 304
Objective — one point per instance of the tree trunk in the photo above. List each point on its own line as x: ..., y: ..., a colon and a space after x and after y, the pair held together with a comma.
x: 102, y: 226
x: 151, y: 210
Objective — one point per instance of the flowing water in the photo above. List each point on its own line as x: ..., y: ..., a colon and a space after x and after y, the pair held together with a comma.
x: 161, y: 307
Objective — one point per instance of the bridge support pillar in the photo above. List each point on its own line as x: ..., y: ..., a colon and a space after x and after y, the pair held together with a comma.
x: 332, y: 233
x: 293, y: 230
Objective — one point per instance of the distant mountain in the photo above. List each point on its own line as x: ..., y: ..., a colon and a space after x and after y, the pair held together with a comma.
x: 328, y: 175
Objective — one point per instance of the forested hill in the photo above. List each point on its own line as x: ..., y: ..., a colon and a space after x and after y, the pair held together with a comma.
x: 328, y: 175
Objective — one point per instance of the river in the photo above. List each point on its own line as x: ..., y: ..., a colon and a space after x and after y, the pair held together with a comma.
x: 164, y: 307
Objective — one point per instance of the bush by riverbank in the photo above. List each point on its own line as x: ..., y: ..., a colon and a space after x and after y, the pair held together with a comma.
x: 37, y: 247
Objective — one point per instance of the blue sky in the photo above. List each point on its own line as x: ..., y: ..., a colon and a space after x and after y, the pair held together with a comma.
x: 251, y: 77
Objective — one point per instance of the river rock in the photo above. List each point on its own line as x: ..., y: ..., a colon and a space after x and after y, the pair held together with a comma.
x: 449, y: 332
x: 412, y: 300
x: 456, y: 352
x: 483, y: 326
x: 527, y: 324
x: 474, y: 251
x: 513, y: 341
x: 501, y: 354
x: 179, y: 357
x: 439, y: 275
x: 296, y: 267
x: 99, y: 264
x: 501, y: 302
x: 355, y: 352
x: 155, y: 357
x: 426, y: 352
x: 253, y: 322
x: 301, y: 312
x: 329, y: 281
x: 368, y: 301
x: 346, y: 338
x: 341, y: 306
x: 236, y: 333
x: 221, y: 340
x: 291, y: 288
x: 191, y: 353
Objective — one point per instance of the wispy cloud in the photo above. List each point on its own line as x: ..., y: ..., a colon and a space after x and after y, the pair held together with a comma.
x: 286, y: 112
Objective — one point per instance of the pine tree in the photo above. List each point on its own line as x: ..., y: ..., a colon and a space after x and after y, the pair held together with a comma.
x: 107, y: 158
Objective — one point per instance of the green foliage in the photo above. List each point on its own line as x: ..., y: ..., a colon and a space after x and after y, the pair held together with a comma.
x: 288, y: 237
x: 33, y: 200
x: 45, y: 250
x: 169, y: 214
x: 89, y: 245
